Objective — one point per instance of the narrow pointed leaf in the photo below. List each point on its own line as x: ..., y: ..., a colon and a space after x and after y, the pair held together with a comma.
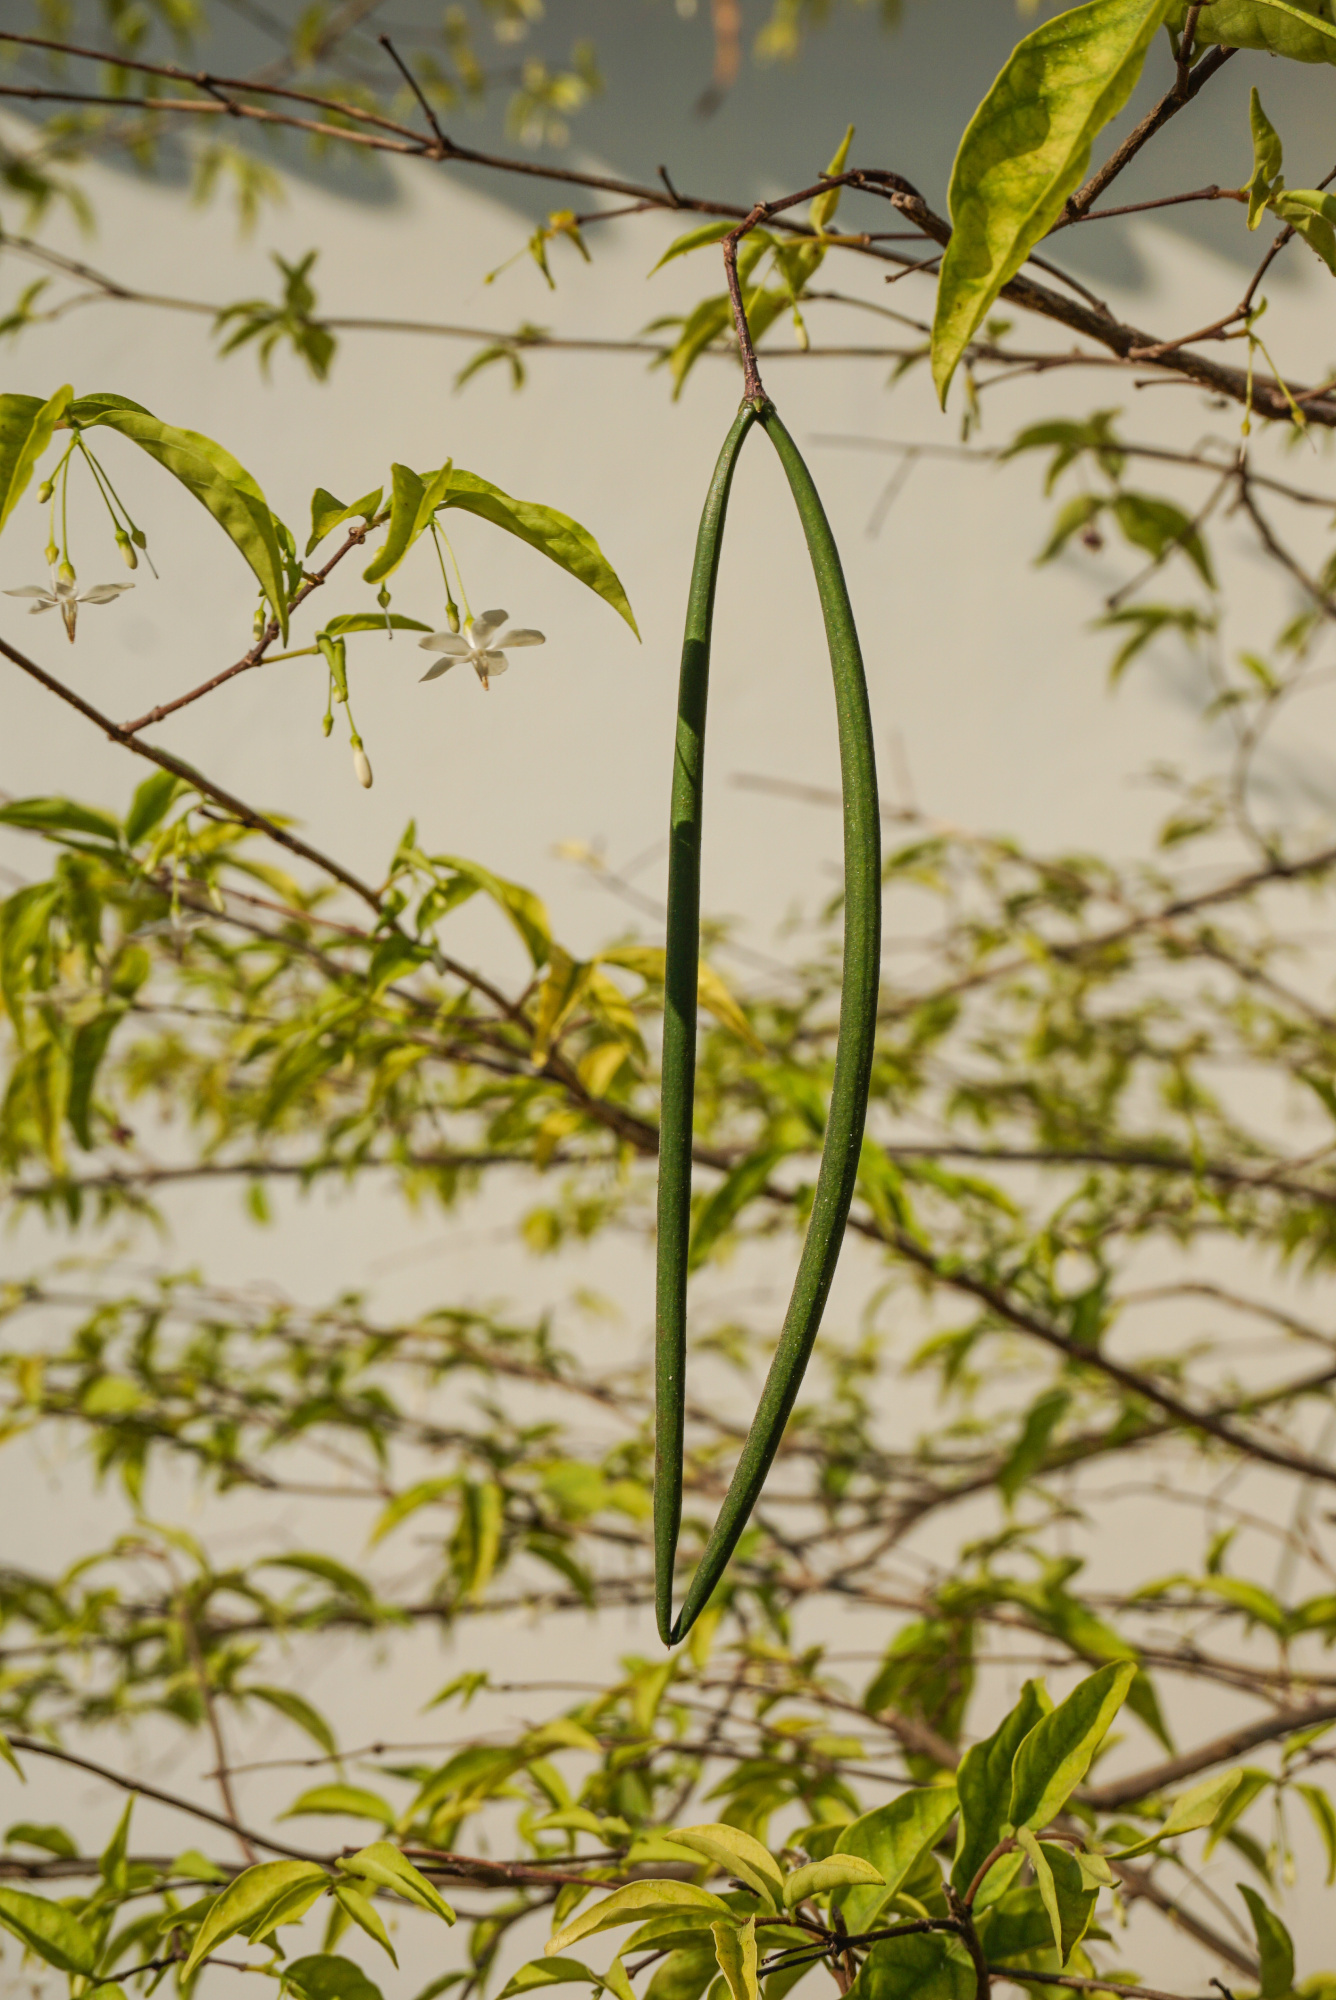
x: 54, y: 1933
x: 739, y: 1854
x: 1025, y: 151
x: 638, y: 1899
x: 1057, y: 1753
x: 27, y: 425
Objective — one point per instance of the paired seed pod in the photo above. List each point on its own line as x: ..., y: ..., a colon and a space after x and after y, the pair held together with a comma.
x: 838, y: 1171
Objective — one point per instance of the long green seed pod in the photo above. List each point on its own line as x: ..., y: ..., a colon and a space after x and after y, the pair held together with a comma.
x: 838, y: 1171
x: 681, y: 974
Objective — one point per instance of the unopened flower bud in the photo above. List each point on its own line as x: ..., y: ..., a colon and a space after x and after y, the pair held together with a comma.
x: 259, y: 621
x: 126, y: 547
x: 383, y: 597
x: 139, y: 538
x: 326, y: 723
x: 44, y: 491
x: 452, y: 616
x: 362, y: 766
x: 51, y: 552
x: 65, y: 574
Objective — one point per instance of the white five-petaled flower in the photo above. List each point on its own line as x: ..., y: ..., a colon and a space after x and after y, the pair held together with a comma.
x: 482, y: 643
x: 63, y: 596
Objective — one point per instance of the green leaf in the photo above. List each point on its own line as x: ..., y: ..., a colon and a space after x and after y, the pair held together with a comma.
x: 196, y: 1867
x: 1252, y: 1783
x: 1043, y: 1876
x: 1071, y: 1897
x: 1268, y: 158
x: 112, y: 1865
x: 151, y: 803
x: 217, y: 480
x: 297, y: 1709
x: 915, y: 1968
x: 1027, y: 1454
x: 559, y: 995
x: 248, y: 1902
x: 1275, y: 1947
x: 1159, y: 527
x: 389, y: 1869
x: 27, y: 425
x: 1192, y: 1809
x: 1312, y: 213
x: 695, y: 239
x: 49, y: 1930
x: 686, y: 1972
x: 554, y: 535
x: 547, y: 1972
x: 702, y: 325
x: 1057, y: 1753
x: 345, y: 1581
x: 87, y: 1049
x: 7, y: 1757
x: 716, y: 999
x: 983, y: 1783
x: 892, y: 1838
x: 56, y: 816
x: 735, y: 1951
x: 1324, y: 1816
x: 424, y: 1494
x: 349, y: 1799
x: 327, y: 513
x: 410, y: 512
x: 1072, y: 516
x: 823, y: 208
x: 371, y: 621
x: 1301, y: 33
x: 324, y: 1976
x: 719, y: 1212
x: 1026, y: 149
x: 53, y: 1839
x: 837, y: 1871
x: 738, y: 1854
x: 624, y: 1906
x: 712, y: 992
x: 617, y: 1981
x: 365, y: 1915
x: 524, y: 909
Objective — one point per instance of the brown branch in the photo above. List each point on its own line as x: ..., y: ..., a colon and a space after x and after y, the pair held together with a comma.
x: 190, y: 776
x: 1235, y: 1743
x: 1076, y: 1984
x: 1139, y: 1885
x: 35, y: 1748
x: 256, y: 656
x: 222, y: 1771
x: 1267, y: 398
x: 1143, y: 1387
x: 443, y: 147
x: 1169, y: 105
x: 249, y: 817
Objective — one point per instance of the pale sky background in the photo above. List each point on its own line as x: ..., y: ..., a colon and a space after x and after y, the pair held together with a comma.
x: 982, y: 668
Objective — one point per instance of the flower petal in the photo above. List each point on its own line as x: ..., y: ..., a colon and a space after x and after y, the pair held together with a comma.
x: 103, y: 593
x: 42, y: 604
x: 481, y: 629
x: 489, y: 665
x: 446, y: 642
x: 31, y: 590
x: 523, y: 637
x: 440, y: 667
